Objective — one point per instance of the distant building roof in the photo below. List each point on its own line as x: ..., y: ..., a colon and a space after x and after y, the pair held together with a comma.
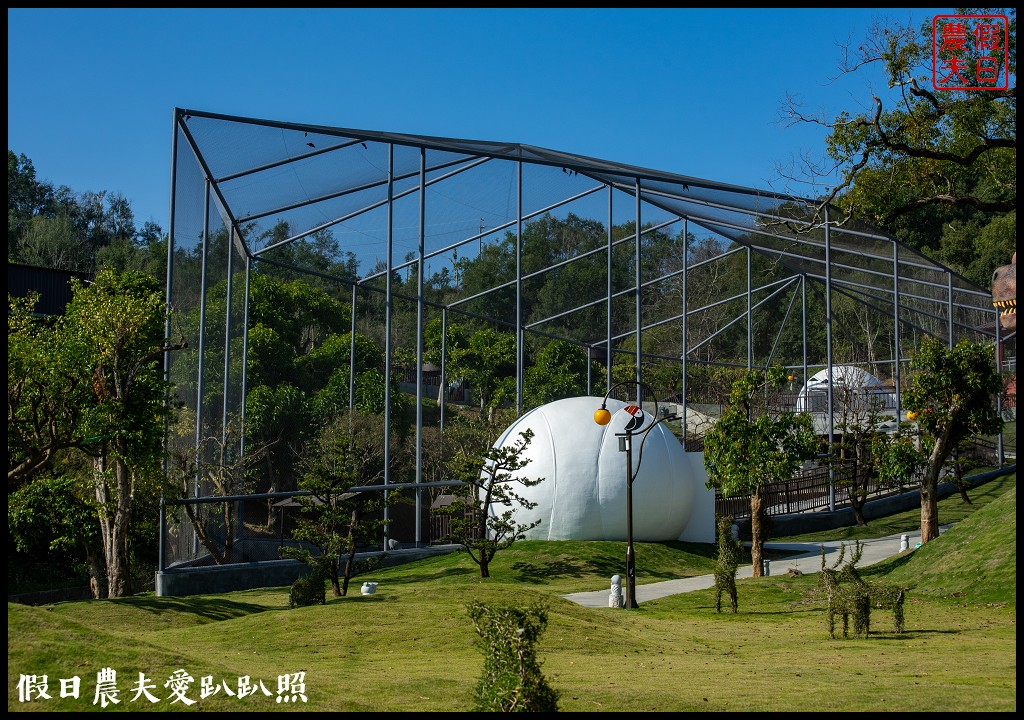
x: 53, y: 286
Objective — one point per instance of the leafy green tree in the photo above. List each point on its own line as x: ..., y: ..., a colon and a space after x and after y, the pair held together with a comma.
x: 752, y: 447
x: 121, y: 318
x: 960, y: 462
x: 94, y: 381
x: 297, y: 364
x: 320, y: 252
x: 455, y: 341
x: 53, y: 514
x: 145, y: 251
x: 335, y: 518
x: 560, y: 371
x: 54, y: 243
x: 27, y: 197
x: 952, y: 395
x: 48, y: 394
x: 486, y: 359
x: 482, y: 514
x: 219, y: 469
x: 898, y: 457
x: 490, y: 367
x: 935, y: 167
x: 278, y: 416
x: 858, y: 419
x: 332, y: 360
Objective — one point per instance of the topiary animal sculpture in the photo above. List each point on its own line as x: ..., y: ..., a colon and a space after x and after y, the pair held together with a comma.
x: 882, y: 596
x: 845, y: 600
x: 726, y: 564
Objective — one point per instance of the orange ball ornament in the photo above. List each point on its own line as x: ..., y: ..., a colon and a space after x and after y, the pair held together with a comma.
x: 602, y: 416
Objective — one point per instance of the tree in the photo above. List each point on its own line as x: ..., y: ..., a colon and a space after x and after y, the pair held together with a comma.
x: 952, y: 395
x: 53, y: 514
x: 959, y: 463
x: 935, y: 167
x: 560, y: 371
x: 859, y: 411
x: 482, y: 515
x: 490, y: 367
x: 54, y: 243
x: 335, y: 518
x: 93, y: 381
x: 26, y: 198
x: 751, y: 447
x: 297, y: 364
x: 726, y: 562
x: 121, y: 317
x: 897, y: 457
x: 47, y: 392
x: 217, y: 467
x: 486, y: 359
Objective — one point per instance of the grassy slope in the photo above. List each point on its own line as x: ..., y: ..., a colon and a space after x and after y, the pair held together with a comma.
x: 411, y: 646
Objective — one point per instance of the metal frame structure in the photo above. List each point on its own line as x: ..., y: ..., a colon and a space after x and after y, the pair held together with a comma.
x: 415, y: 203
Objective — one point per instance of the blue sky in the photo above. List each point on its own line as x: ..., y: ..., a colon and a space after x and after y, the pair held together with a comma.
x: 90, y: 92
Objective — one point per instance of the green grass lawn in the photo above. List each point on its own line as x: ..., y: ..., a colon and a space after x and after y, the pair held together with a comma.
x: 411, y: 646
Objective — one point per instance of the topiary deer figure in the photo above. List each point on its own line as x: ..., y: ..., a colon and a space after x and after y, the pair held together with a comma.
x: 846, y: 600
x: 728, y: 560
x: 882, y: 596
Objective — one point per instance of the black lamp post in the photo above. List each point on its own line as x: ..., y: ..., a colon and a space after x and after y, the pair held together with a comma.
x: 603, y: 417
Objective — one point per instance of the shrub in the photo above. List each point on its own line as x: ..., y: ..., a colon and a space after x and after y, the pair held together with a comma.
x: 512, y: 679
x: 312, y: 588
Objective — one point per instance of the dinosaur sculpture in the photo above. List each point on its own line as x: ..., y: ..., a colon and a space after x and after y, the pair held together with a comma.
x: 1004, y: 294
x: 1004, y: 297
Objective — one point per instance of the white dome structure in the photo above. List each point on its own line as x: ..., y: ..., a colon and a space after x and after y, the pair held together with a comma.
x: 867, y: 390
x: 583, y: 496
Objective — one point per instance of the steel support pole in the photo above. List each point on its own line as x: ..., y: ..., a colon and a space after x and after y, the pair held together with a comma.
x: 637, y: 305
x: 686, y: 246
x: 828, y: 350
x: 630, y: 554
x: 750, y: 326
x: 201, y: 346
x: 387, y: 333
x: 352, y: 361
x: 949, y: 287
x: 1000, y: 455
x: 608, y: 300
x: 245, y: 353
x: 896, y: 328
x: 520, y: 340
x: 167, y: 325
x: 443, y: 390
x: 803, y: 300
x: 225, y: 386
x: 227, y: 343
x: 201, y: 350
x: 419, y: 346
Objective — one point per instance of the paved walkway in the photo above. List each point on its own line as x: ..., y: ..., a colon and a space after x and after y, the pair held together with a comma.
x: 807, y: 559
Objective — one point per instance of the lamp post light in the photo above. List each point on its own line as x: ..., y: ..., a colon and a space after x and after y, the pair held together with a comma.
x: 634, y: 427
